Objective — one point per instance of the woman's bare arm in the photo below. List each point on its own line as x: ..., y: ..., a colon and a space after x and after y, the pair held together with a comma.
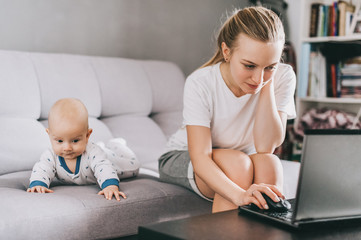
x: 270, y: 124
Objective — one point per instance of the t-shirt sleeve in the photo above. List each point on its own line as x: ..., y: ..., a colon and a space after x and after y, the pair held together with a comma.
x: 44, y: 170
x: 103, y: 169
x: 197, y: 101
x: 285, y: 84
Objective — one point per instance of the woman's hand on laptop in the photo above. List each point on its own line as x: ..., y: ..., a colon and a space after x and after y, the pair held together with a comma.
x: 254, y: 195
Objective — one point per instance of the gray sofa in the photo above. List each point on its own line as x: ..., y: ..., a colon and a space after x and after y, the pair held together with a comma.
x: 140, y: 101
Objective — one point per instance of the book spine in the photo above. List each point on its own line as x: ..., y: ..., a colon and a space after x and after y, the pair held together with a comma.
x: 342, y: 18
x: 304, y: 65
x: 338, y: 79
x: 333, y: 80
x: 335, y: 19
x: 325, y: 21
x: 314, y: 19
x: 328, y: 79
x: 321, y: 20
x: 329, y: 22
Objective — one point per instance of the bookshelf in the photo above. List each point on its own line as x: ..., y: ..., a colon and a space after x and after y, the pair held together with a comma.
x: 308, y: 80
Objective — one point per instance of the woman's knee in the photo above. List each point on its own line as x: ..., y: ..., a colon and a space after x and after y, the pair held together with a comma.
x: 235, y: 164
x: 267, y: 169
x: 267, y: 159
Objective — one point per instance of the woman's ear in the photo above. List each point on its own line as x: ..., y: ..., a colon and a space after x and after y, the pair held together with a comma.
x: 226, y: 51
x: 47, y: 130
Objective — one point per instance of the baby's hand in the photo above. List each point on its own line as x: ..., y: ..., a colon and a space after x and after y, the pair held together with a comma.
x: 39, y: 189
x: 111, y: 190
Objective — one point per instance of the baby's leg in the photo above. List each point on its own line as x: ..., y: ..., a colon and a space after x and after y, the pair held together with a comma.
x: 123, y: 158
x: 268, y: 169
x: 238, y: 167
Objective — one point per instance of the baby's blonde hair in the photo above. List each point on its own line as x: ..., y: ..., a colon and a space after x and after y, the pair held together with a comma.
x: 258, y: 23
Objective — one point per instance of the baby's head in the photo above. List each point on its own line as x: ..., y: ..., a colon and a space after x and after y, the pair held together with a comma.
x: 68, y: 128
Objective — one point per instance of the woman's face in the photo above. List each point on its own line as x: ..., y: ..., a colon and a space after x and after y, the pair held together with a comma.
x: 251, y: 64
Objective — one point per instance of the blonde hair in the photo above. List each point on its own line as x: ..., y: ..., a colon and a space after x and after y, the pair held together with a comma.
x: 258, y: 23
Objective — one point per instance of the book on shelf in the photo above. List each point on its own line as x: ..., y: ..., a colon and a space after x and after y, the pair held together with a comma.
x: 350, y: 78
x: 315, y: 10
x: 346, y: 11
x: 331, y: 19
x: 304, y: 70
x: 316, y: 78
x: 325, y: 78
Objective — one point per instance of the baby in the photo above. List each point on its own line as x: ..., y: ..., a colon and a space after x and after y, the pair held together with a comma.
x: 73, y: 160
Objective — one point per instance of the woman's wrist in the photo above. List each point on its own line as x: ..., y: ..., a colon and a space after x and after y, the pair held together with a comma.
x: 238, y: 199
x: 268, y: 84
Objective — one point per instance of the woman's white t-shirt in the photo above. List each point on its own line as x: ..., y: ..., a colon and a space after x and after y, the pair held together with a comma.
x: 210, y: 103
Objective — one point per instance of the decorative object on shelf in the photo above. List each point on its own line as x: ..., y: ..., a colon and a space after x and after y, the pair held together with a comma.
x: 324, y: 118
x: 355, y: 27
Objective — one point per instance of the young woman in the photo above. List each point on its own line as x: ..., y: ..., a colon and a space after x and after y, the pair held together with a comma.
x: 235, y: 111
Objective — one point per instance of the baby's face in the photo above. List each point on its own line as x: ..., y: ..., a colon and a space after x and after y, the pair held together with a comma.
x: 69, y: 139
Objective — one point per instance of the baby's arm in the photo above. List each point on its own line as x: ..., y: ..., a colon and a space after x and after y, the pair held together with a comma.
x: 42, y: 174
x: 105, y: 174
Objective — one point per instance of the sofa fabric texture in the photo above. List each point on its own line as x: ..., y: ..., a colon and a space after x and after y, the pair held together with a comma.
x: 137, y: 100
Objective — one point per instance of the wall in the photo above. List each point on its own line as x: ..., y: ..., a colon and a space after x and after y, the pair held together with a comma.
x: 294, y: 21
x: 180, y: 31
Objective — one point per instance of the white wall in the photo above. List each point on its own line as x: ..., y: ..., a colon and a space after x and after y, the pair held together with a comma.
x: 181, y: 31
x: 295, y: 20
x: 176, y: 30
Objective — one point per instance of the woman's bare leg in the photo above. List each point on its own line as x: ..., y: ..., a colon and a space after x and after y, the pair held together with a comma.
x: 237, y: 166
x: 268, y: 169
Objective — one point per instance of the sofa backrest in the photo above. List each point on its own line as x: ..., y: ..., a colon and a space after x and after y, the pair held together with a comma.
x: 140, y: 101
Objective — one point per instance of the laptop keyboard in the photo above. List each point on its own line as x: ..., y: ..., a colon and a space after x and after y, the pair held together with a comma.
x: 285, y: 216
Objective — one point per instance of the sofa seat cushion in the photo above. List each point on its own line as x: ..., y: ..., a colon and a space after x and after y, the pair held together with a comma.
x: 26, y: 215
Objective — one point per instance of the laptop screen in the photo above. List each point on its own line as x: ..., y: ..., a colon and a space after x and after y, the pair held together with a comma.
x: 330, y: 177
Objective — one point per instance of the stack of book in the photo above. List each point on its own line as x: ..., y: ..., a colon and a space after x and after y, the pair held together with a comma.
x: 329, y: 79
x: 331, y: 19
x: 350, y: 78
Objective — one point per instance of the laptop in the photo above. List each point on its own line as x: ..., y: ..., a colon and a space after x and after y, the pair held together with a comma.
x: 329, y: 184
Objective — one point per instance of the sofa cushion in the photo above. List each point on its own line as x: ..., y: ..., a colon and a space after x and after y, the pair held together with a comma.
x: 167, y: 83
x: 64, y: 75
x: 124, y: 87
x: 142, y: 134
x: 169, y: 122
x: 19, y: 91
x: 21, y: 143
x: 77, y: 212
x: 101, y: 132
